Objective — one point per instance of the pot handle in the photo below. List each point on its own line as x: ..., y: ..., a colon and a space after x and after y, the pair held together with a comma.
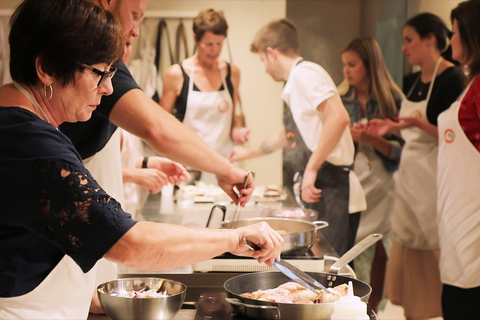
x: 320, y: 225
x: 224, y: 211
x: 242, y: 307
x: 354, y: 252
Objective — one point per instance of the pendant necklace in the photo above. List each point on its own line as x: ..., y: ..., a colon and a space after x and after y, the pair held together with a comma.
x: 31, y: 99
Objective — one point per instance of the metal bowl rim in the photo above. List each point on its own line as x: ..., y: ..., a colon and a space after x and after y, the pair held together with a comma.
x: 100, y: 286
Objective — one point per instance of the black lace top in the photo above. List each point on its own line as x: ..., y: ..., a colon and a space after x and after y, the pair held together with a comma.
x: 50, y: 205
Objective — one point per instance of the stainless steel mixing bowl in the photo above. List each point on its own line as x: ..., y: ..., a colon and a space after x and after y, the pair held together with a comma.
x: 122, y: 308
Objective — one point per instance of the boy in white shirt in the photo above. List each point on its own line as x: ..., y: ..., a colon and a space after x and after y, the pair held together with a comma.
x: 315, y: 135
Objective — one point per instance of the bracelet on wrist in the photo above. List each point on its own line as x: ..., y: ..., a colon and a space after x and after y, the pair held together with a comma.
x: 145, y: 163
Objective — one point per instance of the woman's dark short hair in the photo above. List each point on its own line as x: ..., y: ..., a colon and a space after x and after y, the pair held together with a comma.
x: 428, y: 23
x: 209, y: 20
x: 467, y: 15
x: 61, y: 33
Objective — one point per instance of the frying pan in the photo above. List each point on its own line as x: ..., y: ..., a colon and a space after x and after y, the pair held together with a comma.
x: 286, y: 311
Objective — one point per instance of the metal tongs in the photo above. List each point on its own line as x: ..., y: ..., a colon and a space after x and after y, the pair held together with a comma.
x: 290, y: 270
x: 308, y: 281
x: 236, y: 214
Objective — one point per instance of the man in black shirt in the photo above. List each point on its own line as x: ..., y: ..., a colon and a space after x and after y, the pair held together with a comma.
x: 131, y: 109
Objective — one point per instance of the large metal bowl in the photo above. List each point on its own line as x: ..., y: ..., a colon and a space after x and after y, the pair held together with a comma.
x: 121, y: 308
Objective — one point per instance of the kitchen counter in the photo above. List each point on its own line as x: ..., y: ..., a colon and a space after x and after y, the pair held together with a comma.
x: 204, y: 286
x: 166, y: 210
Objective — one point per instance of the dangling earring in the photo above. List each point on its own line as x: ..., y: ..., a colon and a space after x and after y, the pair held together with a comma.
x: 45, y: 91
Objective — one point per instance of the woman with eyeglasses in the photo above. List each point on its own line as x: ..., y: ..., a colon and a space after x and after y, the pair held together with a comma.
x: 56, y: 221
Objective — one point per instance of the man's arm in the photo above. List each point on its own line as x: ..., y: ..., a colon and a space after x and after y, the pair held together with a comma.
x: 140, y: 115
x: 274, y: 142
x: 336, y: 121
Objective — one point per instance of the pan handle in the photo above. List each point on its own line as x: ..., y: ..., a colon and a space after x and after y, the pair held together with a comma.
x: 224, y: 211
x: 242, y: 307
x: 354, y: 252
x: 320, y: 225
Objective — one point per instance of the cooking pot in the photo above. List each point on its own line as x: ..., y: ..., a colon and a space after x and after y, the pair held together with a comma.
x: 258, y: 309
x: 297, y: 234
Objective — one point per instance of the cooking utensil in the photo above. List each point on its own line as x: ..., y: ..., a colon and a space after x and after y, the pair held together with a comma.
x: 297, y: 185
x: 286, y: 311
x: 298, y: 275
x: 122, y: 308
x: 237, y: 209
x: 354, y: 252
x: 290, y: 271
x: 298, y: 235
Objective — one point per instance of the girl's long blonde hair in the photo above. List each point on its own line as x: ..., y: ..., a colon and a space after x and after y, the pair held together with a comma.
x: 381, y: 82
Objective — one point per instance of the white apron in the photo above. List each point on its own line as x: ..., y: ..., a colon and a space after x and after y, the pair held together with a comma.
x: 210, y: 115
x: 64, y: 294
x: 414, y: 214
x: 458, y: 208
x: 106, y: 167
x: 378, y: 186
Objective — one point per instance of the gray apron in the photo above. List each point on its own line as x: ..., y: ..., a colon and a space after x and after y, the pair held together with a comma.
x: 332, y: 179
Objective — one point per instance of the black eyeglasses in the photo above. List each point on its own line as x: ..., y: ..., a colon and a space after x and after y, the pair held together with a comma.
x: 104, y: 75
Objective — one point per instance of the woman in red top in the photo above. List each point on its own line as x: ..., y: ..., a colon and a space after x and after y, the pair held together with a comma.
x: 459, y: 176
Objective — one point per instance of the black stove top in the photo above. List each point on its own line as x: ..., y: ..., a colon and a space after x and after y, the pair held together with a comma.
x: 213, y: 306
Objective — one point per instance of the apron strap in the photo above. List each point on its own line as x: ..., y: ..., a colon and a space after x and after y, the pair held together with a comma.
x: 433, y: 79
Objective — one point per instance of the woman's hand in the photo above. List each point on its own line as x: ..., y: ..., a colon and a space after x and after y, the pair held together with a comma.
x: 240, y: 135
x: 359, y: 132
x: 175, y: 172
x: 382, y: 127
x: 310, y: 194
x: 150, y: 178
x: 238, y: 153
x: 265, y: 237
x: 409, y: 122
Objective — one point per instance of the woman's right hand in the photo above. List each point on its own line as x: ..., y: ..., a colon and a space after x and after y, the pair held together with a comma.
x: 262, y: 235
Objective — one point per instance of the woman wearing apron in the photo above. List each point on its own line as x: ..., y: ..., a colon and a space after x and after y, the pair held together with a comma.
x: 315, y: 136
x: 376, y: 157
x: 459, y: 176
x: 202, y: 91
x: 415, y: 250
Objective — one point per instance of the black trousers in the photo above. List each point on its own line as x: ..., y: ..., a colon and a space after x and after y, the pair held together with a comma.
x: 460, y: 304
